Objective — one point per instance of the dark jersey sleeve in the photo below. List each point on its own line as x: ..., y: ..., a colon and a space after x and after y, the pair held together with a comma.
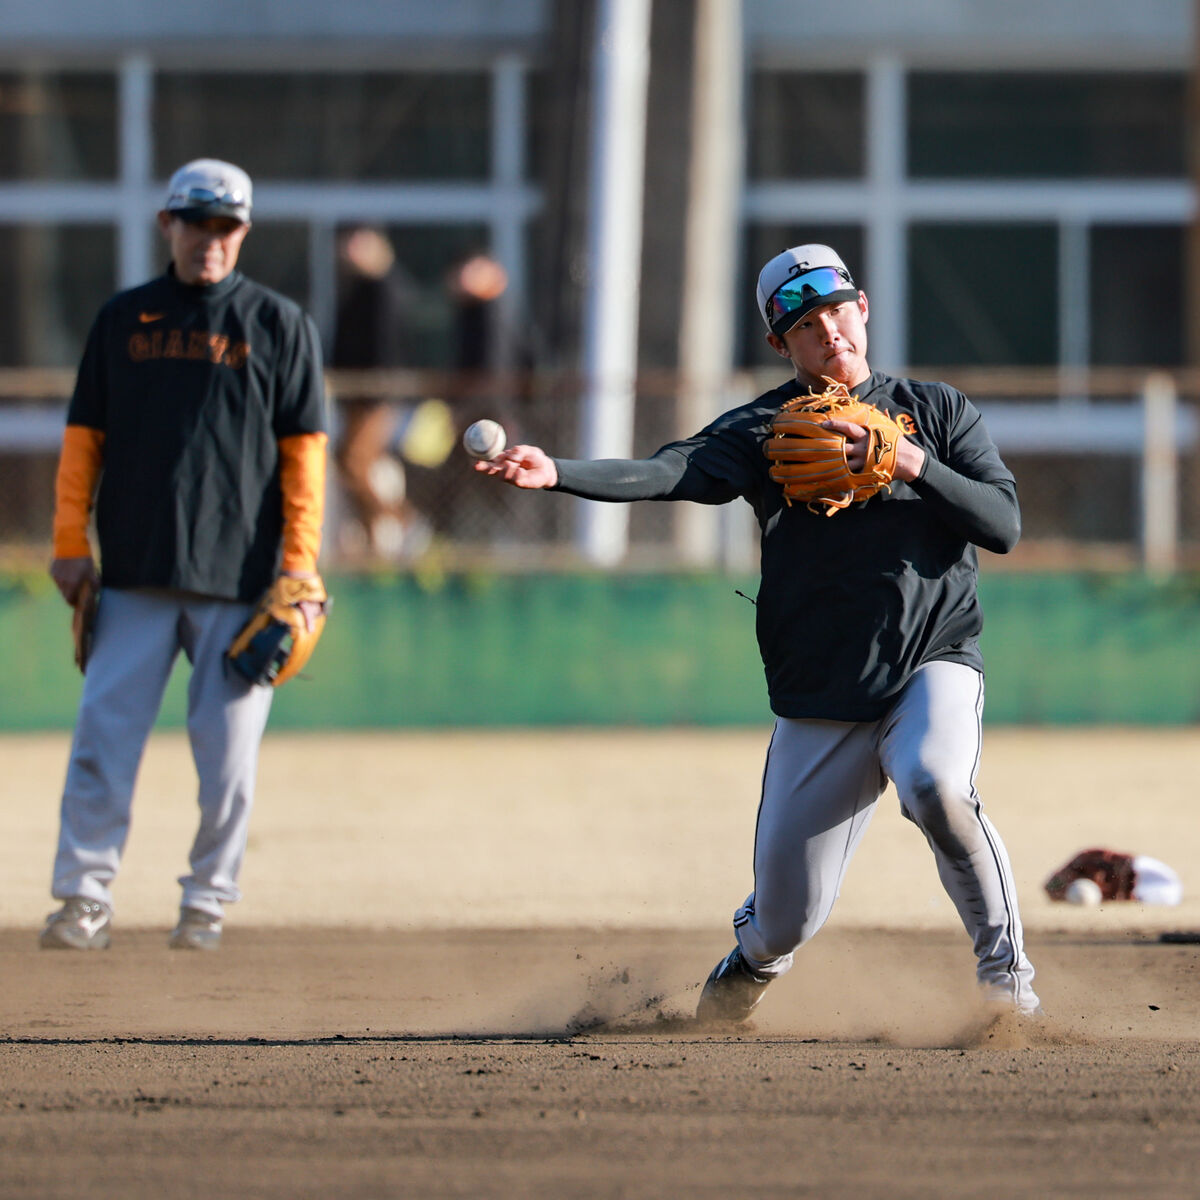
x: 967, y: 483
x: 721, y: 462
x: 89, y: 400
x: 667, y: 475
x: 985, y: 513
x: 301, y: 381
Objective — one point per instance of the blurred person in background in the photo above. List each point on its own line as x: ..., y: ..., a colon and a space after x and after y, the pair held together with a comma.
x: 475, y: 284
x: 868, y: 625
x: 492, y: 351
x: 377, y: 431
x: 197, y: 428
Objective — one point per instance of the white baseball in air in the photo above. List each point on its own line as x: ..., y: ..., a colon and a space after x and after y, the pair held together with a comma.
x: 1083, y: 891
x: 484, y: 439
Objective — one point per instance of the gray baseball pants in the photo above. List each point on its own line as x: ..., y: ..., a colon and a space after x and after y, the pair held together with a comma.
x: 820, y: 787
x: 138, y: 636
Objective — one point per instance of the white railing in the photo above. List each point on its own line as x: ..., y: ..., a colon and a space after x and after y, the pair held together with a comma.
x: 1114, y: 413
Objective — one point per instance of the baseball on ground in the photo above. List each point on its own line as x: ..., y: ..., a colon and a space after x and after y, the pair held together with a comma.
x: 1083, y: 891
x: 484, y: 439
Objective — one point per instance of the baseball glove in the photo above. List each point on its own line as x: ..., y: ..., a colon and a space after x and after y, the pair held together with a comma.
x: 83, y: 622
x: 276, y: 642
x: 1111, y: 870
x: 809, y: 461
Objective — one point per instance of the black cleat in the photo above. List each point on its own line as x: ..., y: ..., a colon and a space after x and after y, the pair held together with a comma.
x: 732, y: 992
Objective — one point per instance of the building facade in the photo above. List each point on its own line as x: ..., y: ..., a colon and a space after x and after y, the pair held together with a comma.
x: 1011, y: 183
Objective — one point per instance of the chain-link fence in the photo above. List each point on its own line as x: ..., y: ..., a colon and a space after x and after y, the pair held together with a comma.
x: 1106, y: 463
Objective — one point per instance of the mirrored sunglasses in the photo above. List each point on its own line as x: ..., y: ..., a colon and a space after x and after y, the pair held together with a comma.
x: 806, y: 291
x: 198, y: 196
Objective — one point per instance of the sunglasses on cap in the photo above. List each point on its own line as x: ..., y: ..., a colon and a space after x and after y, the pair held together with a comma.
x: 202, y: 197
x: 804, y: 292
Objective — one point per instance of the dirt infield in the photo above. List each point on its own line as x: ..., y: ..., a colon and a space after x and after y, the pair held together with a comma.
x: 465, y: 966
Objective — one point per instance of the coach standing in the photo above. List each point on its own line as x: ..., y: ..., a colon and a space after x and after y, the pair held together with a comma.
x: 197, y: 426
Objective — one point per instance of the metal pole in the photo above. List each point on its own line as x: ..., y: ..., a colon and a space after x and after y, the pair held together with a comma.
x: 621, y: 59
x: 508, y: 222
x: 706, y: 318
x: 1192, y: 244
x: 1160, y: 539
x: 135, y: 257
x: 886, y: 250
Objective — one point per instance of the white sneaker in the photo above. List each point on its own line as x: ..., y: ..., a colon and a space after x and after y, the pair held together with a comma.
x: 196, y: 931
x: 81, y: 924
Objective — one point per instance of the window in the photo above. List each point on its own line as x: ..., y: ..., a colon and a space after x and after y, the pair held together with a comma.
x: 806, y: 125
x: 56, y: 278
x: 360, y: 127
x: 983, y: 294
x: 57, y: 126
x: 1137, y: 295
x: 1028, y: 125
x: 426, y: 253
x: 275, y: 253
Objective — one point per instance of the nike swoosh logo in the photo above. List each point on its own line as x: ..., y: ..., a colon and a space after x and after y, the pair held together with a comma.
x: 146, y: 317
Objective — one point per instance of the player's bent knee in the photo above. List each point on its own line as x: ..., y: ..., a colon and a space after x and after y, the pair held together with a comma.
x: 941, y: 808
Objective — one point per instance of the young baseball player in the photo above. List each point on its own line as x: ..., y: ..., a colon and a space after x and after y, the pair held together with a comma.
x: 197, y: 427
x: 894, y: 690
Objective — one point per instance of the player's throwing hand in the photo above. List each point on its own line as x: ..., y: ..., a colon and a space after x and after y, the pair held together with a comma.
x: 522, y: 466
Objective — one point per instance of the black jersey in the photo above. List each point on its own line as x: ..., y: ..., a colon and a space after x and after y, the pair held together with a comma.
x: 192, y: 388
x: 849, y: 605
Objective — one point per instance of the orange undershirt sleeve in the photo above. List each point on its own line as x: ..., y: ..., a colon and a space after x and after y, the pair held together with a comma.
x: 79, y: 467
x: 302, y: 478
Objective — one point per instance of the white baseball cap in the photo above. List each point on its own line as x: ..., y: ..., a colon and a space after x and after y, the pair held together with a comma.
x: 799, y: 280
x: 208, y: 187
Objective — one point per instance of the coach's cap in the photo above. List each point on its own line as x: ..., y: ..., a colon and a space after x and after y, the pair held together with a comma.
x: 208, y: 187
x: 797, y: 281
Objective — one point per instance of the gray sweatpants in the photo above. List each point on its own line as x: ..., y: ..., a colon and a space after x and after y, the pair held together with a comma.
x: 138, y: 635
x: 820, y: 787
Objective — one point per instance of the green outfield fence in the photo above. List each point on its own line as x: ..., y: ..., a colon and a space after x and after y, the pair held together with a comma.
x: 640, y: 649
